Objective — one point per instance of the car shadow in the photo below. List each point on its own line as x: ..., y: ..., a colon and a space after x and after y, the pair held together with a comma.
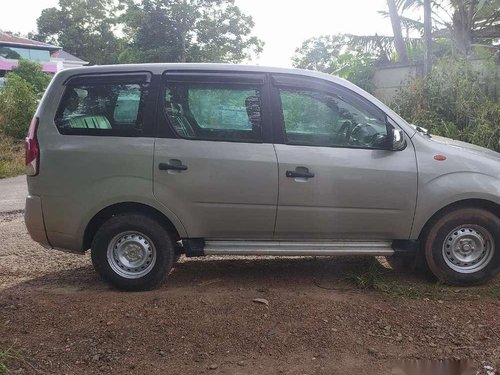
x: 263, y: 273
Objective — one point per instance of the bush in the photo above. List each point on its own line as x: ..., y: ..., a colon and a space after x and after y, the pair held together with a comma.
x: 450, y: 102
x: 18, y: 98
x: 18, y: 102
x: 11, y: 157
x: 32, y: 73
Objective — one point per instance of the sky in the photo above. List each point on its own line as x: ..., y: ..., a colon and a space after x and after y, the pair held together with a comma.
x: 282, y: 24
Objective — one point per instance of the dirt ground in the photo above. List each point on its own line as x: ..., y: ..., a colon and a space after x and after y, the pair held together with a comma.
x: 325, y: 316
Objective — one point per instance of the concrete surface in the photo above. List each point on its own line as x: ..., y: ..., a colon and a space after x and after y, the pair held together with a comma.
x: 13, y: 191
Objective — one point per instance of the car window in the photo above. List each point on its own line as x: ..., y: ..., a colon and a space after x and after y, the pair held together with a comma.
x: 218, y: 112
x: 101, y: 108
x: 320, y: 119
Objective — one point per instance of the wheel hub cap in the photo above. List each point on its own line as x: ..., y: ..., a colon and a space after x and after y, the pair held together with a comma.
x: 468, y: 248
x: 131, y: 254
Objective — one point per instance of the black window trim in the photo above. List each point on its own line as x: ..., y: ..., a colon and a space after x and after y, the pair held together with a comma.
x: 219, y: 79
x: 297, y: 82
x: 148, y: 102
x: 110, y: 77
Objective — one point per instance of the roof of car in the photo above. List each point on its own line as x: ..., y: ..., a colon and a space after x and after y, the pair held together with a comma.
x: 158, y: 68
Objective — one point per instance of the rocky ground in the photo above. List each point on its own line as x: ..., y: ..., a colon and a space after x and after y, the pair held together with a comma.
x: 235, y: 316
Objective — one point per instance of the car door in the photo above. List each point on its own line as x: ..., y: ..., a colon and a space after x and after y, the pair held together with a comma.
x: 338, y: 179
x: 214, y: 162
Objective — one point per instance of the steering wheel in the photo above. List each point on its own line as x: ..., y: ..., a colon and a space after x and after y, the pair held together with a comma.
x: 346, y: 130
x: 353, y: 139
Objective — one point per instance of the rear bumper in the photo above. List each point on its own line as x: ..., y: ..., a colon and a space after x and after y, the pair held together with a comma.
x: 33, y: 218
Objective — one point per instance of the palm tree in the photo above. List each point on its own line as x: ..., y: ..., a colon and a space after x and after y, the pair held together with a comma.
x: 466, y: 22
x: 397, y: 31
x: 428, y: 36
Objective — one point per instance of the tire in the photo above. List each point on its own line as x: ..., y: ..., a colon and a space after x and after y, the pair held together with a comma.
x: 463, y: 247
x: 132, y: 252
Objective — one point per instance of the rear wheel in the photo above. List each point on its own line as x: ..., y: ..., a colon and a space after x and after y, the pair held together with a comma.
x: 463, y: 247
x: 132, y: 252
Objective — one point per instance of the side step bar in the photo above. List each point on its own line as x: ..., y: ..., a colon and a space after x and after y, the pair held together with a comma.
x: 197, y: 247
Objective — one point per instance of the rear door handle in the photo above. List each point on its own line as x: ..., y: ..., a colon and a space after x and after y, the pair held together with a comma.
x: 299, y: 174
x: 172, y: 167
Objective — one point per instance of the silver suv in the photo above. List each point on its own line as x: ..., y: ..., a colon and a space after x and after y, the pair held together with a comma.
x: 142, y: 163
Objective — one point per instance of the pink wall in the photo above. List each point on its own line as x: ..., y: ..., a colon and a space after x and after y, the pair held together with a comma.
x: 11, y: 64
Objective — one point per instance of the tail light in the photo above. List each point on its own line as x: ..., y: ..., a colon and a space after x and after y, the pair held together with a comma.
x: 32, y: 149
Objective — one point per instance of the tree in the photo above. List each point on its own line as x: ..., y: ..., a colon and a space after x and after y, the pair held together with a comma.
x: 187, y: 31
x: 467, y: 23
x: 428, y: 36
x: 82, y: 27
x: 342, y: 55
x: 397, y: 31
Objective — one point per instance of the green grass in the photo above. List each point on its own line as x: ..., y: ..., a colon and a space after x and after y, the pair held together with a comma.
x: 384, y: 280
x: 494, y: 291
x: 6, y: 356
x: 381, y: 279
x: 11, y: 157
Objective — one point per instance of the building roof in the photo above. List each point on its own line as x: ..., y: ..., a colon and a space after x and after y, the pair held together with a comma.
x: 9, y: 39
x: 60, y: 54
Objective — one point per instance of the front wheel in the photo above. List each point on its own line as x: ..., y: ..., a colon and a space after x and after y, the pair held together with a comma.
x: 132, y: 252
x: 463, y: 247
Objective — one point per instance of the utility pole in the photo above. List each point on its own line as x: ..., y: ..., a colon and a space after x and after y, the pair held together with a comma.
x: 427, y: 37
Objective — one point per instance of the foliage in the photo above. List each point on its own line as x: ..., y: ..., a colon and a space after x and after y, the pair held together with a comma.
x: 11, y: 157
x: 342, y: 55
x: 32, y: 72
x: 465, y: 24
x: 452, y: 103
x: 187, y: 31
x: 18, y: 98
x: 18, y: 102
x: 82, y: 27
x: 154, y: 30
x: 8, y: 355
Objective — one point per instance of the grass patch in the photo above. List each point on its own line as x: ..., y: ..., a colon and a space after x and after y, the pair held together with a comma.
x: 494, y: 291
x: 6, y: 356
x: 378, y: 278
x: 11, y: 157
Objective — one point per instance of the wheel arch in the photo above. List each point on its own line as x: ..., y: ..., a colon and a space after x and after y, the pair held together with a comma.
x: 126, y: 207
x: 484, y: 204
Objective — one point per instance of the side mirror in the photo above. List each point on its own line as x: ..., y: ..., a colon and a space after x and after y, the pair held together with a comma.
x: 398, y: 140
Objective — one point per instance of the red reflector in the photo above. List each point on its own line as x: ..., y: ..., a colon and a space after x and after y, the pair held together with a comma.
x: 32, y: 151
x: 439, y: 157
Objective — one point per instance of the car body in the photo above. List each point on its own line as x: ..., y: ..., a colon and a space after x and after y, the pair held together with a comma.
x: 233, y: 159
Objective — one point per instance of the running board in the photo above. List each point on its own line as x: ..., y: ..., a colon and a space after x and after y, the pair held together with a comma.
x: 295, y: 248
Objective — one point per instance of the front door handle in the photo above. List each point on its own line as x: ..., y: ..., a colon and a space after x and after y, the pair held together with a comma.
x: 299, y: 174
x: 172, y: 167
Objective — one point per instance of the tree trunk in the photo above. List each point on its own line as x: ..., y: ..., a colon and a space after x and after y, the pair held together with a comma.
x: 428, y: 36
x: 398, y: 33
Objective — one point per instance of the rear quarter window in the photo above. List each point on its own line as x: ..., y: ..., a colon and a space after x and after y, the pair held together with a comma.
x: 101, y: 109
